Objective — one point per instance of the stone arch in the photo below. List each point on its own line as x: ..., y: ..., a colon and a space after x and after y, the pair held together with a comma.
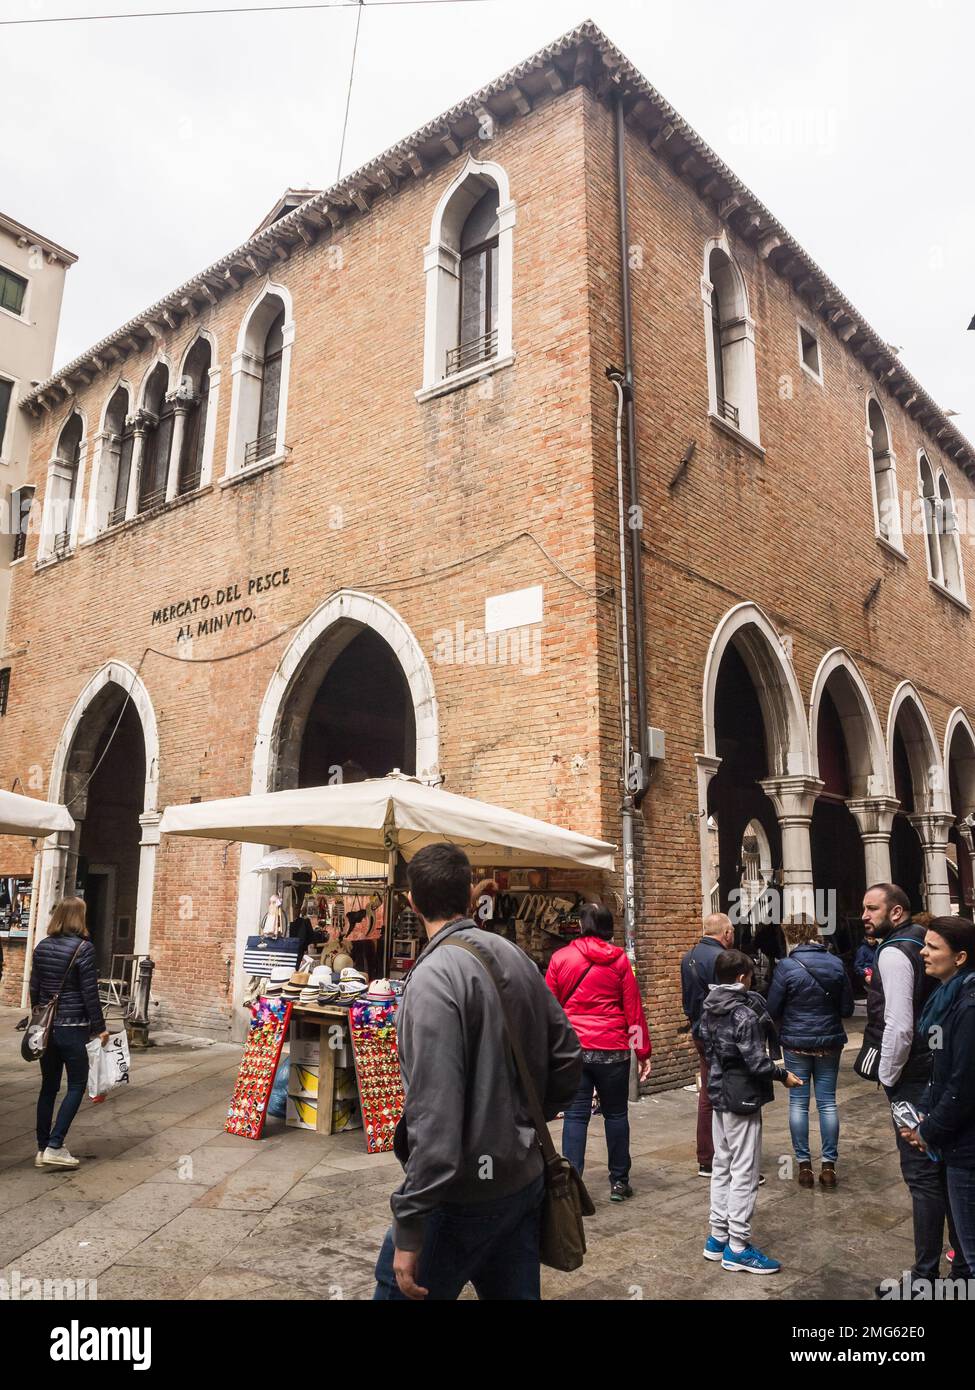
x: 208, y: 337
x: 248, y: 375
x: 866, y: 748
x: 758, y: 643
x: 161, y: 359
x: 960, y: 730
x: 924, y: 755
x: 111, y: 690
x: 314, y: 647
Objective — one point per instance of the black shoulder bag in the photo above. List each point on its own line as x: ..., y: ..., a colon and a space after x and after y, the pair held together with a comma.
x: 37, y: 1034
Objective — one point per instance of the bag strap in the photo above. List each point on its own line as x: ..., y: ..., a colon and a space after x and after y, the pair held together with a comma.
x: 578, y: 983
x: 64, y: 977
x: 531, y: 1094
x: 829, y: 998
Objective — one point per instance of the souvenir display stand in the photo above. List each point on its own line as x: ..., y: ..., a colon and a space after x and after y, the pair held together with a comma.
x: 377, y: 1070
x: 258, y: 1064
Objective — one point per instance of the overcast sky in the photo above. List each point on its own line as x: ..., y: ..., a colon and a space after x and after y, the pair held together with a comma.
x: 151, y: 147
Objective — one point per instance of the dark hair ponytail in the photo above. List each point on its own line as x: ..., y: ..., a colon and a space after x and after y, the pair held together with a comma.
x: 596, y: 921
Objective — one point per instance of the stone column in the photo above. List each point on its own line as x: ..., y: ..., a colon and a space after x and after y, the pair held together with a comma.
x: 139, y: 423
x: 793, y: 799
x: 706, y: 769
x: 932, y: 828
x: 967, y: 847
x: 148, y: 845
x: 181, y: 404
x: 874, y: 816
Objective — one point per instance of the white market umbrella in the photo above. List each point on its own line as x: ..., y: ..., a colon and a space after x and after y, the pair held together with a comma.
x: 374, y: 819
x: 26, y: 815
x: 296, y: 859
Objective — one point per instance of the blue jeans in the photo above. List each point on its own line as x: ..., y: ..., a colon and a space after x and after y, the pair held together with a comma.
x: 961, y: 1198
x: 611, y: 1081
x: 822, y: 1071
x: 66, y: 1050
x: 492, y: 1245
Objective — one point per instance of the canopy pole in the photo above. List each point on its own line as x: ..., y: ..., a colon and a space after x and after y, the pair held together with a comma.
x: 391, y: 854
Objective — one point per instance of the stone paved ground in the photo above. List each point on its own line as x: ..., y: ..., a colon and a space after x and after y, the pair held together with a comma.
x: 168, y: 1206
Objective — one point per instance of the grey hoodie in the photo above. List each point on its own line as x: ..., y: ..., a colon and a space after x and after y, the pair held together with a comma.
x: 467, y: 1128
x: 736, y: 1029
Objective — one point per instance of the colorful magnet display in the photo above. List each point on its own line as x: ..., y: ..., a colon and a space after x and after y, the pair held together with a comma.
x: 377, y: 1069
x: 262, y: 1052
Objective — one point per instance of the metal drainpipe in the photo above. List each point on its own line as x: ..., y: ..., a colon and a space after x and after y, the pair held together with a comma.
x: 636, y: 780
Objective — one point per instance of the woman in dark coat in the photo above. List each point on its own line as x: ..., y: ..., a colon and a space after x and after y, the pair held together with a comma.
x: 809, y: 998
x: 947, y: 1126
x: 64, y: 964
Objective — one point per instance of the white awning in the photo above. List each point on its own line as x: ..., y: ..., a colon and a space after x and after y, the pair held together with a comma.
x: 26, y: 815
x: 367, y: 819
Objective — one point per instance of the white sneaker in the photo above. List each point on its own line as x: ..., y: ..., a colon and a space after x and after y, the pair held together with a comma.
x: 39, y: 1160
x: 59, y: 1158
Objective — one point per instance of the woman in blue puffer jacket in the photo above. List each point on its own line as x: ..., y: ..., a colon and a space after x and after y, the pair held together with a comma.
x: 809, y: 998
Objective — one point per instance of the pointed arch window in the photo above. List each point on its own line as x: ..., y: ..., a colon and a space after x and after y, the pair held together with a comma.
x: 730, y: 344
x: 941, y: 536
x: 260, y: 372
x: 195, y: 400
x: 468, y: 267
x: 883, y: 475
x: 62, y: 490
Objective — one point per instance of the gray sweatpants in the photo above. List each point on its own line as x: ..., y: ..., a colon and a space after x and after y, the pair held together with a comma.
x: 734, y: 1175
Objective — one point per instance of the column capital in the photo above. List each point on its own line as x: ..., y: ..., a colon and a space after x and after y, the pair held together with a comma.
x: 707, y: 765
x: 793, y: 797
x: 874, y: 815
x: 932, y: 827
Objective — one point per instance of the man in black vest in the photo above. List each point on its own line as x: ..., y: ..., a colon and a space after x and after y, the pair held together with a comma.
x: 896, y: 994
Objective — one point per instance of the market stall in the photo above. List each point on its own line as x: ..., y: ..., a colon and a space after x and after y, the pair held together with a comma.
x: 533, y: 875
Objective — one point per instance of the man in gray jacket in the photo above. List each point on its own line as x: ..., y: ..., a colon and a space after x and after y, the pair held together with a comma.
x: 469, y: 1205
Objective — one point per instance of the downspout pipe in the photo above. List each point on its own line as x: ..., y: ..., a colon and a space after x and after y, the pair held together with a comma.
x: 639, y: 780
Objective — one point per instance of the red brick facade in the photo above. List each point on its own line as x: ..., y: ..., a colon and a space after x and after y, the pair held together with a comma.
x: 435, y: 501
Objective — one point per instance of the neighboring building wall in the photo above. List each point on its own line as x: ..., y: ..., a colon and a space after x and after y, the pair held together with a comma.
x: 26, y: 355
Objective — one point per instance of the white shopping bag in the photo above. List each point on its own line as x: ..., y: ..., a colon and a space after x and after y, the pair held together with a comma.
x: 108, y: 1066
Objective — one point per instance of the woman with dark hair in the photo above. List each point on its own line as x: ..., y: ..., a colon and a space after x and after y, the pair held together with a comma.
x: 593, y: 981
x: 947, y: 1108
x: 63, y: 964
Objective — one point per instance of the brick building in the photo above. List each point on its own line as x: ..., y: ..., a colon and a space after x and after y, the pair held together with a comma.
x: 308, y: 478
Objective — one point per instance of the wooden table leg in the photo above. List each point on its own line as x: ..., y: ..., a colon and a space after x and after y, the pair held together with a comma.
x: 326, y: 1080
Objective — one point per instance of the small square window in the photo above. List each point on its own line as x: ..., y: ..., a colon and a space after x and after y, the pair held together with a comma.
x: 809, y: 351
x: 12, y: 291
x: 4, y: 689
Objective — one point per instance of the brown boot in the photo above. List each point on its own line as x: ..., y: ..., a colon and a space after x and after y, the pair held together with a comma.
x: 827, y: 1175
x: 806, y: 1178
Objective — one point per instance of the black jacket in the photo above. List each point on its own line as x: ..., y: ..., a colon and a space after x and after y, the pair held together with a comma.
x: 697, y: 976
x: 79, y: 1002
x: 809, y: 998
x: 737, y: 1034
x: 949, y: 1102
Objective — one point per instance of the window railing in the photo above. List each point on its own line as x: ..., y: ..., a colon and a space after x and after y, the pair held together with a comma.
x: 20, y: 545
x: 260, y: 448
x: 468, y: 354
x: 117, y: 515
x: 189, y: 482
x: 728, y: 412
x: 62, y: 543
x: 149, y: 501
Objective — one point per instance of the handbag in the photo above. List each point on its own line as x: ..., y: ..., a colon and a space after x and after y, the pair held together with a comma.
x: 562, y: 1243
x: 262, y: 952
x: 37, y: 1034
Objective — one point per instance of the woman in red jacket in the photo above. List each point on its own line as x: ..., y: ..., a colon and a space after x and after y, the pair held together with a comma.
x: 593, y: 981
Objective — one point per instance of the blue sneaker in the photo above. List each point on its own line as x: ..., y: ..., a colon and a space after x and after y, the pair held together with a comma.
x: 713, y: 1248
x: 750, y: 1260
